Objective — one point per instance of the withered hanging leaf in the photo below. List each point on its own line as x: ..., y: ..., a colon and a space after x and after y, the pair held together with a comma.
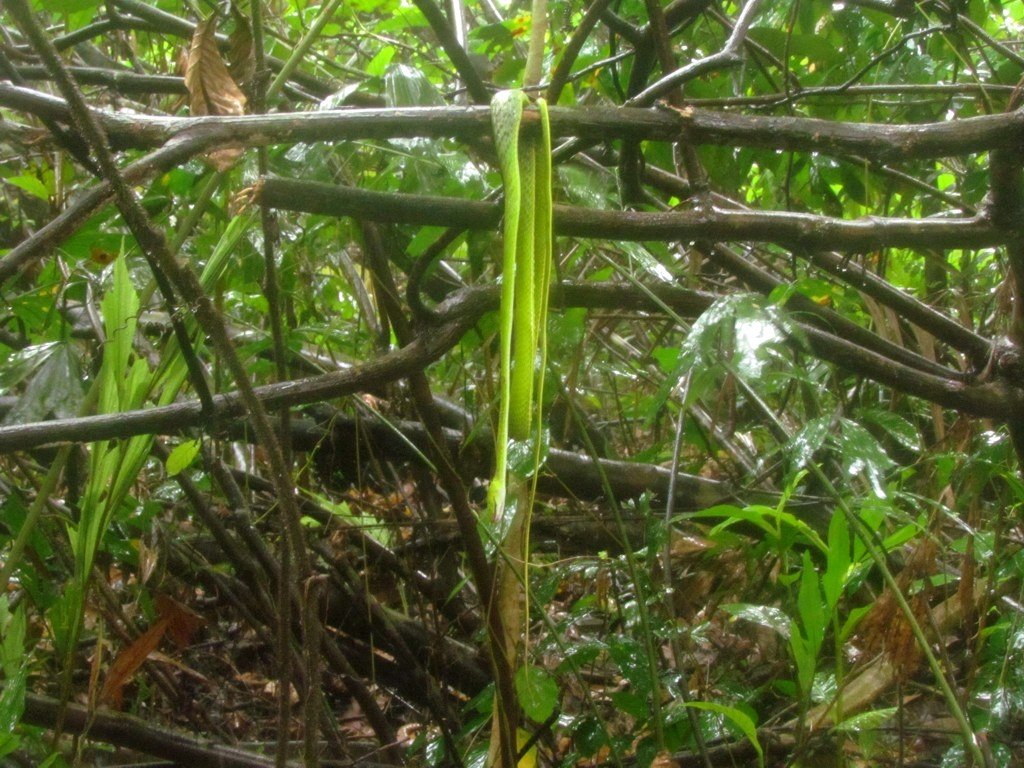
x: 182, y: 621
x: 241, y: 53
x: 211, y: 89
x: 129, y: 660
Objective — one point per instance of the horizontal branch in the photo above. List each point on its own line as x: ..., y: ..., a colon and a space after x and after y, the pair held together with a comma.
x: 875, y: 141
x: 173, y: 154
x: 134, y: 733
x: 565, y: 472
x: 173, y: 419
x: 793, y: 230
x: 458, y: 313
x: 995, y: 400
x: 122, y: 80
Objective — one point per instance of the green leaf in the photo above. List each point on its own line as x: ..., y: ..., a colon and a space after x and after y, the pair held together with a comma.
x: 19, y: 365
x: 182, y: 456
x: 862, y: 455
x: 589, y: 735
x: 763, y: 615
x: 120, y: 308
x: 406, y: 86
x: 69, y: 6
x: 55, y: 390
x: 838, y: 565
x: 30, y: 184
x: 64, y: 615
x: 380, y: 62
x: 12, y: 699
x: 866, y: 721
x: 13, y: 648
x: 901, y: 430
x: 739, y: 719
x: 537, y: 692
x: 8, y: 743
x: 633, y: 663
x: 633, y: 705
x: 805, y: 443
x: 811, y: 606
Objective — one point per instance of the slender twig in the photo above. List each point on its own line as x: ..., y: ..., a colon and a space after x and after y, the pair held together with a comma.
x: 572, y: 48
x: 728, y: 56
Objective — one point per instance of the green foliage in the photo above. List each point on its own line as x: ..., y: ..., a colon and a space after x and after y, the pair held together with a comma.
x: 741, y: 606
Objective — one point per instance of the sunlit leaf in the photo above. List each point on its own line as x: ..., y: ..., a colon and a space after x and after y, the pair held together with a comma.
x: 212, y: 90
x: 738, y: 719
x: 182, y: 456
x: 537, y: 692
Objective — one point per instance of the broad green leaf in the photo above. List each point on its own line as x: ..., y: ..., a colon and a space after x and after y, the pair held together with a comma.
x: 30, y: 184
x: 19, y: 365
x: 8, y: 743
x: 808, y: 441
x: 738, y: 718
x: 54, y: 391
x: 862, y: 455
x: 866, y: 721
x: 13, y: 648
x: 769, y: 519
x: 12, y: 699
x: 813, y: 618
x: 182, y: 456
x: 766, y: 616
x: 537, y: 692
x: 69, y: 6
x: 633, y: 663
x: 380, y: 61
x: 838, y: 564
x: 901, y: 430
x: 633, y: 705
x: 406, y: 86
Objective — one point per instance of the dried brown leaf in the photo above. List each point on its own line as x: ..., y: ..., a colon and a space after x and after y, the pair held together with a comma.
x: 212, y: 91
x: 223, y: 159
x: 182, y: 622
x: 241, y: 53
x: 129, y: 660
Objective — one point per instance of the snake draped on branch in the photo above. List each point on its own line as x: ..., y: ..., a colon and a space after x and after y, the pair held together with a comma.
x: 525, y: 162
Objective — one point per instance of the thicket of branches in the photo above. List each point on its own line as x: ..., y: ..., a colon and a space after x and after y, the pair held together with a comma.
x: 249, y: 359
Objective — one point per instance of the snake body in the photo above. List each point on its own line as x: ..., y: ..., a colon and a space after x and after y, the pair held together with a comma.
x: 525, y: 164
x: 526, y: 272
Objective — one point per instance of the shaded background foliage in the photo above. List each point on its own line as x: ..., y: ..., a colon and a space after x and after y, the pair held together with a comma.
x: 769, y: 425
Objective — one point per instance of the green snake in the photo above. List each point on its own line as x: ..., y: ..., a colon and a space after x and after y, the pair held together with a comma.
x: 526, y: 273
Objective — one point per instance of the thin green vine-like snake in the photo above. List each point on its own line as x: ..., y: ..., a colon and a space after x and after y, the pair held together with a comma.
x: 526, y: 273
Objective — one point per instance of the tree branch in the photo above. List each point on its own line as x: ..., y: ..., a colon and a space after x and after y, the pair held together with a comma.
x: 794, y: 230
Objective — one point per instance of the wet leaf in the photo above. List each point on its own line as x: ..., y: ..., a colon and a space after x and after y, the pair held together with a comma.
x: 182, y: 456
x: 129, y: 661
x: 537, y: 692
x: 55, y: 390
x: 211, y: 89
x: 241, y: 53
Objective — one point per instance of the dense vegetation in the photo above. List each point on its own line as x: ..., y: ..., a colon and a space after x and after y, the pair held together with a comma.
x: 250, y: 257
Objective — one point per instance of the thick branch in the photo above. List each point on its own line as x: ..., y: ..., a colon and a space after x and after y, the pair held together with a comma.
x: 794, y: 230
x: 133, y: 733
x: 172, y: 419
x: 994, y: 400
x: 875, y: 141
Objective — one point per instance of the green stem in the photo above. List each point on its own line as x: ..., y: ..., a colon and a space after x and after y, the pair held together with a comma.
x: 299, y: 53
x: 535, y: 56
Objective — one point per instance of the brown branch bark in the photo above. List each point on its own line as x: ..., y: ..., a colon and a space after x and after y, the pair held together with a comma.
x: 874, y: 141
x: 134, y: 733
x: 794, y: 230
x: 992, y: 400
